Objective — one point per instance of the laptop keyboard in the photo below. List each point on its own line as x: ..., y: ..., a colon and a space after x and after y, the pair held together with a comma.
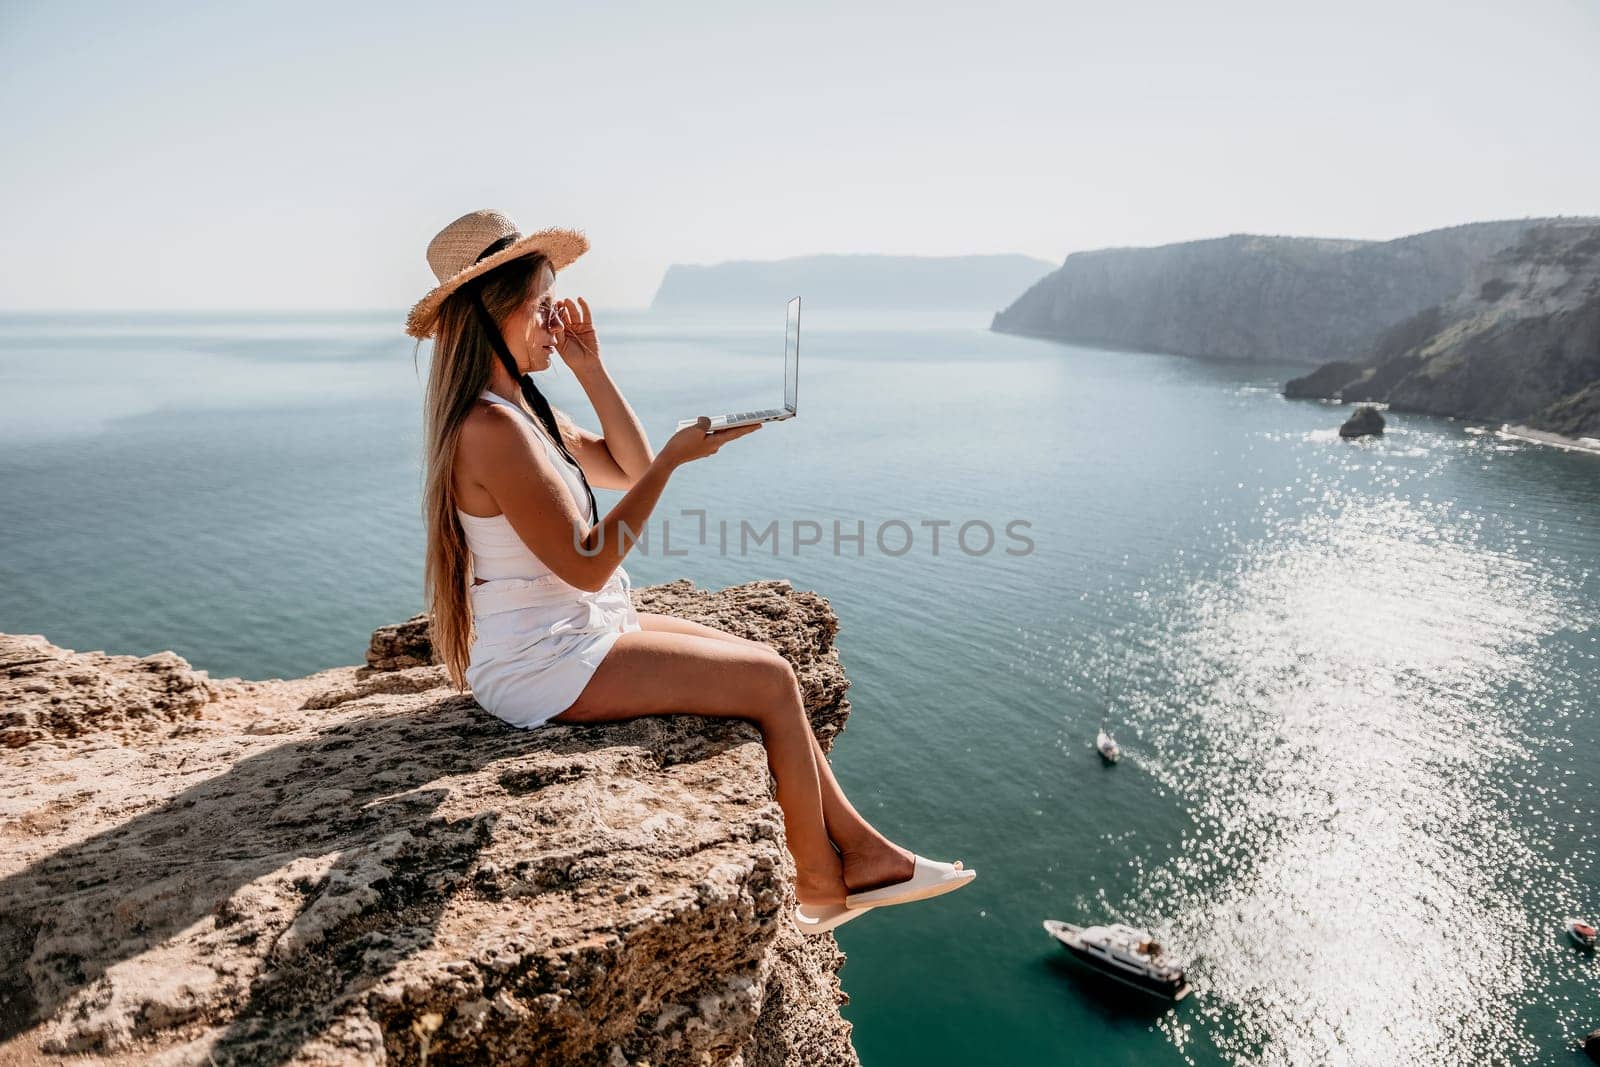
x: 725, y: 420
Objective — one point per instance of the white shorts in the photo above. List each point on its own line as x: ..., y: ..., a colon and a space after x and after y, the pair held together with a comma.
x: 539, y: 640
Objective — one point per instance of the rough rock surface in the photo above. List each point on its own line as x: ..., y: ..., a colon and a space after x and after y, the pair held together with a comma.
x: 1253, y: 297
x: 47, y: 692
x: 1322, y: 383
x: 1521, y: 342
x: 361, y: 864
x: 1366, y: 422
x: 1575, y: 415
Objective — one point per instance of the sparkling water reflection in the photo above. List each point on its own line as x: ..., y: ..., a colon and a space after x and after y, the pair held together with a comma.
x: 1332, y: 705
x: 1355, y: 683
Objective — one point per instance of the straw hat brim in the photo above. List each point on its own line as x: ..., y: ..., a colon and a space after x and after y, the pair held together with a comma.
x: 560, y: 246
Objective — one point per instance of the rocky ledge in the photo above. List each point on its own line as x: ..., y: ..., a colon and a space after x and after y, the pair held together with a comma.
x: 362, y: 866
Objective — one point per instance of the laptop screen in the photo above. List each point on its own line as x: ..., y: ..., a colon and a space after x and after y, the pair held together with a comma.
x: 791, y: 357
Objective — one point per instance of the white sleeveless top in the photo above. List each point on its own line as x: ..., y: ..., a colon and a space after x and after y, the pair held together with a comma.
x: 498, y: 551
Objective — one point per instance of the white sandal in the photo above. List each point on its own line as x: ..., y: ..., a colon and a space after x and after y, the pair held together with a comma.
x: 826, y: 917
x: 930, y: 878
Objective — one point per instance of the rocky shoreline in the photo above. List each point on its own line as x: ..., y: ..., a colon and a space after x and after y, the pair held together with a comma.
x: 1520, y: 345
x: 1555, y: 440
x: 1493, y: 321
x: 359, y: 865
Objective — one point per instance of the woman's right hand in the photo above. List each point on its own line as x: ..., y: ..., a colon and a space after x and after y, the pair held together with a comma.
x: 693, y: 442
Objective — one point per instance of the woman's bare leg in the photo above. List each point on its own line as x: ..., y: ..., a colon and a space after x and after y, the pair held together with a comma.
x: 869, y: 858
x: 655, y: 673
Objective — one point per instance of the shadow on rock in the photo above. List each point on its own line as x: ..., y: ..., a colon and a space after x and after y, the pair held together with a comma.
x: 275, y: 895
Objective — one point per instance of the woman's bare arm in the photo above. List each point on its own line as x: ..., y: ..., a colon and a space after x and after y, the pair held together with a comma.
x: 626, y: 448
x: 502, y: 455
x: 619, y: 456
x: 597, y: 462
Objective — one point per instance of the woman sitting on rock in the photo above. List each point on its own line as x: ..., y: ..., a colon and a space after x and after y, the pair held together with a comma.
x: 538, y: 620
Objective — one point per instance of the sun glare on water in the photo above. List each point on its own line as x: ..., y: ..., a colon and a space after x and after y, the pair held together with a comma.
x: 1332, y: 709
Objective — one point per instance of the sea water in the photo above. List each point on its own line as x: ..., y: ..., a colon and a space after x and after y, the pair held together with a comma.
x: 1355, y: 683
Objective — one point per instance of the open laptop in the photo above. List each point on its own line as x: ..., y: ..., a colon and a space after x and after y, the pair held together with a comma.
x: 791, y: 383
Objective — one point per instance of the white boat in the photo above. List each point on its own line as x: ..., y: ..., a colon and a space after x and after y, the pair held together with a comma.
x: 1107, y: 746
x: 1124, y: 953
x: 1581, y: 932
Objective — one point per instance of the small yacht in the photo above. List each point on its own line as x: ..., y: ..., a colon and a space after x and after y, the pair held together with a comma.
x: 1107, y: 746
x: 1581, y: 932
x: 1122, y: 952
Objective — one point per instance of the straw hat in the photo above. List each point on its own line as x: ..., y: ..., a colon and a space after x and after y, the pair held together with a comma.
x: 457, y: 255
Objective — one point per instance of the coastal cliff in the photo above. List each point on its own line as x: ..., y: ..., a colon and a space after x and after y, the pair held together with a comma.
x: 362, y: 866
x: 1251, y: 297
x: 1519, y: 343
x: 933, y: 283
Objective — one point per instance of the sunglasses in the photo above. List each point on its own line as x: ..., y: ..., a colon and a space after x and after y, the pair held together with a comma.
x: 548, y: 313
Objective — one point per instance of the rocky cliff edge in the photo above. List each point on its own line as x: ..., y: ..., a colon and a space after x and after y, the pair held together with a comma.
x: 362, y: 866
x: 1520, y: 344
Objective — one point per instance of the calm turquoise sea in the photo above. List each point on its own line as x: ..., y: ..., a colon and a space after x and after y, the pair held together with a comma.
x: 1356, y: 684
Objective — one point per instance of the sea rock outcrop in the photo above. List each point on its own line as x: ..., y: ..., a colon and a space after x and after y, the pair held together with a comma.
x: 1253, y: 297
x: 1520, y: 343
x: 362, y: 866
x: 1366, y: 422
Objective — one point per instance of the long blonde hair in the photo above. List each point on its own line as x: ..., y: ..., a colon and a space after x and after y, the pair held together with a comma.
x: 462, y: 357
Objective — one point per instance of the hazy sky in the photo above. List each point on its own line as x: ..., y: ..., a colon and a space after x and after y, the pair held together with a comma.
x: 287, y: 155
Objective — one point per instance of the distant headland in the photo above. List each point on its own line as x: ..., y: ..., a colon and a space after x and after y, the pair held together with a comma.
x: 1497, y: 321
x: 947, y: 283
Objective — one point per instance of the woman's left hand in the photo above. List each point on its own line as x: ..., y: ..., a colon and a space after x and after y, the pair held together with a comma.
x: 579, y: 347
